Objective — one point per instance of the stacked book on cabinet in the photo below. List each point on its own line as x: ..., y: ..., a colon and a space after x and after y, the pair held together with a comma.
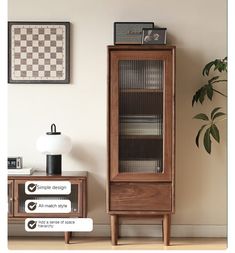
x: 20, y: 172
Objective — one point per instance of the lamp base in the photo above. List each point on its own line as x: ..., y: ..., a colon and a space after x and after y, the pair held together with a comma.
x: 53, y: 166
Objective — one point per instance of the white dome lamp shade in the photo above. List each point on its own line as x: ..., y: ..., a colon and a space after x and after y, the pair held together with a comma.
x: 53, y: 144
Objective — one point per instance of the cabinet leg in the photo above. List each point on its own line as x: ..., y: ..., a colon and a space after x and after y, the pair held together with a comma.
x: 114, y: 229
x: 166, y: 228
x: 67, y: 236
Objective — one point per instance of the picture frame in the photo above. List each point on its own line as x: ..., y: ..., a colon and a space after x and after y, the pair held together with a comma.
x: 130, y: 32
x: 38, y: 52
x: 154, y: 36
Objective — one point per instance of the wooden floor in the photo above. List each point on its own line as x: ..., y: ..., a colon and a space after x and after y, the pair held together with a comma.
x: 101, y: 243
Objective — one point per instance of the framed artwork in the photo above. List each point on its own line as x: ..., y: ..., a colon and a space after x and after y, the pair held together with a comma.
x: 38, y: 52
x: 130, y: 32
x: 154, y: 36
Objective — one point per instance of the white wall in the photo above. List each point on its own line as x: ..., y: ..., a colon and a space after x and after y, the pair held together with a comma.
x: 196, y: 27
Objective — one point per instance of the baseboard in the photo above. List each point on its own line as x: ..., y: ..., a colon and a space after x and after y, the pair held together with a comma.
x: 134, y: 231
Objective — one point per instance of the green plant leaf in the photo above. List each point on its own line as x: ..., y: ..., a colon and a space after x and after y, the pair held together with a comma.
x: 207, y: 68
x: 219, y: 64
x: 196, y: 97
x: 214, y: 111
x: 215, y: 132
x: 216, y: 63
x: 222, y: 66
x: 199, y: 95
x: 201, y: 116
x: 209, y: 92
x: 218, y: 114
x: 198, y: 135
x: 207, y: 141
x: 202, y: 94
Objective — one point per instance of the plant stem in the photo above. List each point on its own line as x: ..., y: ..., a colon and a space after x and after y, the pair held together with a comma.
x: 220, y: 120
x: 218, y: 81
x: 219, y: 92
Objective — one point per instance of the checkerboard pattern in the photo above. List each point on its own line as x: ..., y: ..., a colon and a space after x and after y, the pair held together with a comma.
x: 38, y: 52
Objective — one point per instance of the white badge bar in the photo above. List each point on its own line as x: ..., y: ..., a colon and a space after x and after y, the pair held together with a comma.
x: 48, y: 187
x: 58, y: 224
x: 47, y: 206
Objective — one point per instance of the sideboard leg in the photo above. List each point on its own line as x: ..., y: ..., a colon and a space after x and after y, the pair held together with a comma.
x: 166, y: 228
x: 67, y: 236
x: 114, y: 229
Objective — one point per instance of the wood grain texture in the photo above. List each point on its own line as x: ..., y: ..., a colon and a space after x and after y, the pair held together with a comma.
x: 143, y: 52
x: 114, y: 229
x: 67, y: 236
x: 114, y: 116
x: 166, y: 229
x: 31, y: 243
x: 140, y: 196
x: 42, y: 175
x: 173, y: 126
x: 140, y: 47
x: 138, y: 214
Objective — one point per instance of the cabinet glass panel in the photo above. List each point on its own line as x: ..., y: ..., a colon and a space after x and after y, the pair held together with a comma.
x: 10, y: 198
x: 141, y: 116
x: 141, y: 74
x: 73, y: 197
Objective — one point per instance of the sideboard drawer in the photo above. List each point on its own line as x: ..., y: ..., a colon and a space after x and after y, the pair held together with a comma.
x: 140, y: 196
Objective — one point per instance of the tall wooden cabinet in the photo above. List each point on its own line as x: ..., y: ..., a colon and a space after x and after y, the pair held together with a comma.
x: 141, y: 81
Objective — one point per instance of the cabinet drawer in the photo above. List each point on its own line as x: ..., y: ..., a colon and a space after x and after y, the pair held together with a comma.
x: 140, y: 196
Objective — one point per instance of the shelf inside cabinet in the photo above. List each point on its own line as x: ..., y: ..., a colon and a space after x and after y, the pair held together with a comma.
x: 149, y: 126
x: 141, y: 166
x: 137, y: 103
x: 155, y: 137
x: 140, y: 148
x: 146, y: 90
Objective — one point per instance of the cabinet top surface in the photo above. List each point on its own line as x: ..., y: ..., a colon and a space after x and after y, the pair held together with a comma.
x: 43, y: 174
x: 141, y: 47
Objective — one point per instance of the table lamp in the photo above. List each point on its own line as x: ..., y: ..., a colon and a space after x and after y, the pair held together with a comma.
x: 53, y: 144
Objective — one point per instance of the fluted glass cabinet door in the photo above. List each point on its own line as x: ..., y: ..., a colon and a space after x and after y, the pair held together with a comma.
x: 141, y: 87
x: 140, y: 116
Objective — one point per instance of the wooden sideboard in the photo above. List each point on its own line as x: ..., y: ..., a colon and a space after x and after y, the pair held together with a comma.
x: 78, y: 196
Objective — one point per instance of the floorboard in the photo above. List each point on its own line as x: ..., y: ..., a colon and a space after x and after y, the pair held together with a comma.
x: 101, y: 243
